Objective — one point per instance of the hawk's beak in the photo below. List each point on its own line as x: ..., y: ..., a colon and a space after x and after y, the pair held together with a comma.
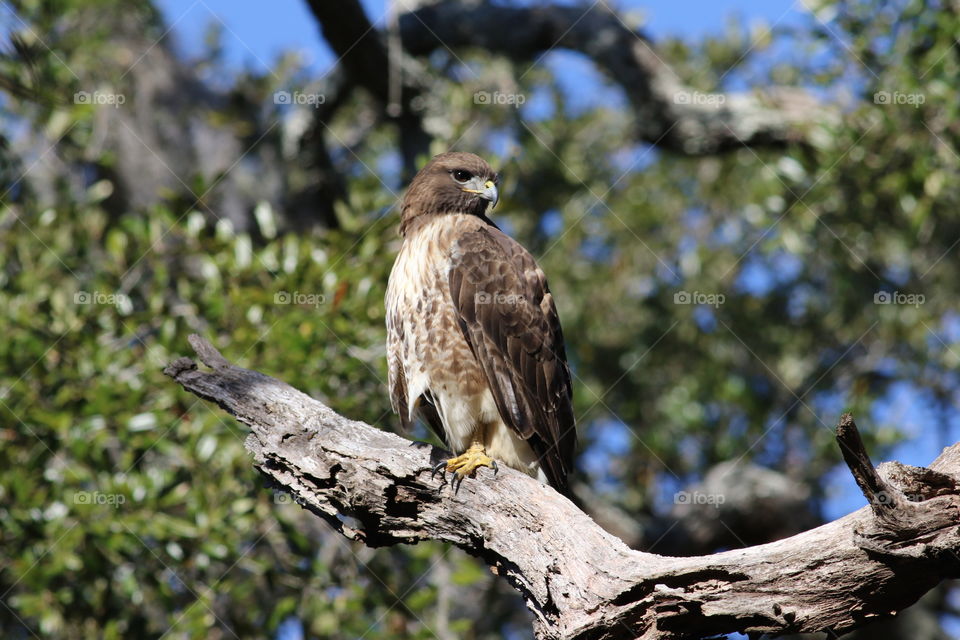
x: 487, y: 191
x: 490, y: 193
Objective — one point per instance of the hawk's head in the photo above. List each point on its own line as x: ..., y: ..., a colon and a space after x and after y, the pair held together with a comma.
x: 453, y: 182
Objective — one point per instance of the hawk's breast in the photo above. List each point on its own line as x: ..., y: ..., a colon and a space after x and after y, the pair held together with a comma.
x: 426, y: 350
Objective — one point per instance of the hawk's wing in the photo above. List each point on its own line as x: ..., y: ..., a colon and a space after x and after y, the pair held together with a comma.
x: 508, y: 317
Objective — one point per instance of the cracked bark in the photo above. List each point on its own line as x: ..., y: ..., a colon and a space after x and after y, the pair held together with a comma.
x: 579, y: 581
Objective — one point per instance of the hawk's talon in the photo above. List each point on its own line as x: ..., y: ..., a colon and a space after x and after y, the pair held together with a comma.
x: 465, y: 465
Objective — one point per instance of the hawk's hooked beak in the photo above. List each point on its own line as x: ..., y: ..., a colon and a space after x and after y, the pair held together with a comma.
x: 486, y: 190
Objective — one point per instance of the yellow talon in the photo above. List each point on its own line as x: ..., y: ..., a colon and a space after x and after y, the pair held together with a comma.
x: 467, y: 463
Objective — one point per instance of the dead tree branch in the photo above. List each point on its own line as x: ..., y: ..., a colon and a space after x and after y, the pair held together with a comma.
x: 363, y: 53
x: 667, y: 112
x: 579, y: 581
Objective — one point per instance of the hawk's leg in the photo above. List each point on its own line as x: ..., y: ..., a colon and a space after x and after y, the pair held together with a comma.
x: 467, y: 463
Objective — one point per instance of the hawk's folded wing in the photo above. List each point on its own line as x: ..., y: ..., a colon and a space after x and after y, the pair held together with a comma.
x: 508, y: 317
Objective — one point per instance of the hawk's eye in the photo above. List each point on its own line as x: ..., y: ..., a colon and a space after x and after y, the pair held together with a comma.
x: 461, y: 176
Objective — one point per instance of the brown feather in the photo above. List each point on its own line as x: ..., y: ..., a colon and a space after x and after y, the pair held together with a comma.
x: 432, y: 192
x: 498, y: 290
x: 456, y: 269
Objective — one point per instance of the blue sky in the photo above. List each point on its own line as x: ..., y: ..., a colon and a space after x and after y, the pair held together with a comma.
x: 255, y: 36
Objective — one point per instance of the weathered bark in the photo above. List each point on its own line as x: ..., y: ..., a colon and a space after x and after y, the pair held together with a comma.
x: 578, y: 580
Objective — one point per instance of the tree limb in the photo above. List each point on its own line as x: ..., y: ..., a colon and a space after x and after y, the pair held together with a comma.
x: 667, y: 112
x: 362, y: 52
x: 579, y: 581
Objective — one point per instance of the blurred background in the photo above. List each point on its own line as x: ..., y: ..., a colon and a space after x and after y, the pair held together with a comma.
x: 749, y: 213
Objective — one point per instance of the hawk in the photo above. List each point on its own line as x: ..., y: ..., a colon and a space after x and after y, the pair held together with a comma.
x: 474, y: 345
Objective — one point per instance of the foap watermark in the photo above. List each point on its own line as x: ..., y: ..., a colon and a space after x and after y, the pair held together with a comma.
x: 99, y: 98
x: 499, y: 98
x: 282, y: 497
x: 899, y: 298
x: 98, y: 497
x: 483, y: 297
x: 100, y: 297
x: 884, y: 498
x: 699, y: 297
x: 699, y: 498
x: 699, y: 98
x: 299, y: 98
x: 299, y: 297
x: 898, y: 97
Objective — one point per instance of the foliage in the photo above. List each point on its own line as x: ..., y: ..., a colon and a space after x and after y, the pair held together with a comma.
x: 128, y: 509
